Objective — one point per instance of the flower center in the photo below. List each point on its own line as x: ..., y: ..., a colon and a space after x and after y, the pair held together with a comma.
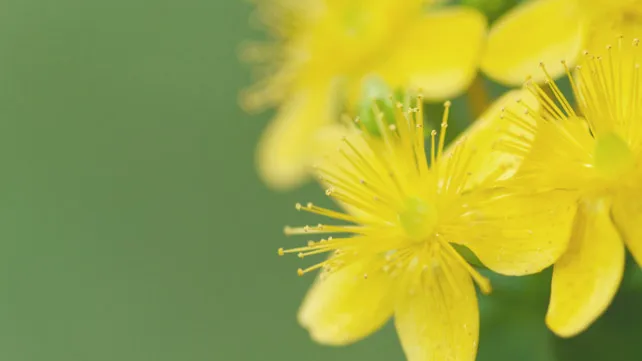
x: 613, y: 157
x: 419, y: 218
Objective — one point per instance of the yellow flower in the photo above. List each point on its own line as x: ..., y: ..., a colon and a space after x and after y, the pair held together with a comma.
x: 322, y: 51
x: 595, y: 152
x: 403, y: 211
x: 550, y: 30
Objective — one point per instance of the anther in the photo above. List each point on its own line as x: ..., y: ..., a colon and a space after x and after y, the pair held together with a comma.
x: 298, y: 206
x: 281, y: 251
x: 300, y: 272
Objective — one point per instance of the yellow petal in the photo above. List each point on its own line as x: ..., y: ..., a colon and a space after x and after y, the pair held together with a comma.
x: 537, y: 31
x: 293, y: 140
x: 587, y: 276
x: 437, y: 316
x: 517, y: 233
x: 439, y: 54
x: 345, y: 306
x: 627, y: 216
x: 479, y: 142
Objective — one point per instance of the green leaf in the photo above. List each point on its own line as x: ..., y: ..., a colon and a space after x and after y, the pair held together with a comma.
x: 512, y: 320
x: 493, y: 9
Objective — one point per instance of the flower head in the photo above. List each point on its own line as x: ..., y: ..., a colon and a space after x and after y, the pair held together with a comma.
x: 595, y: 152
x: 324, y: 49
x: 392, y: 249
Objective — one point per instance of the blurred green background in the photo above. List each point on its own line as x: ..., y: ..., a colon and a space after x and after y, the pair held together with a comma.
x: 132, y: 223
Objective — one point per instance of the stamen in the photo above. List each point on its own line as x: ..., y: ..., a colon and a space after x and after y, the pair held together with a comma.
x: 419, y: 143
x: 444, y: 125
x: 327, y: 213
x: 557, y: 92
x: 545, y: 101
x: 370, y: 170
x: 433, y: 133
x: 349, y: 199
x: 519, y: 121
x: 302, y: 272
x: 482, y: 282
x: 320, y: 229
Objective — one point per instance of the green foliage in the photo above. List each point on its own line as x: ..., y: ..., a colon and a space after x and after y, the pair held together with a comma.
x: 493, y: 9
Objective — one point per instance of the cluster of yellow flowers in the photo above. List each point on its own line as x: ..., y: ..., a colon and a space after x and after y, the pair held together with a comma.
x: 537, y: 180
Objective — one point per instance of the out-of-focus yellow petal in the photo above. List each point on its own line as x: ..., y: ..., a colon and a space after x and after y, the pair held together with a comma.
x: 517, y: 233
x: 609, y: 19
x: 479, y: 142
x: 537, y: 31
x: 627, y: 215
x: 345, y: 306
x: 294, y: 139
x: 439, y: 54
x: 437, y: 316
x: 587, y: 276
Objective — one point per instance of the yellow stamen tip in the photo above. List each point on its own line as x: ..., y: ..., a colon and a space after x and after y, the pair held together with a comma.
x: 281, y: 251
x: 300, y: 272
